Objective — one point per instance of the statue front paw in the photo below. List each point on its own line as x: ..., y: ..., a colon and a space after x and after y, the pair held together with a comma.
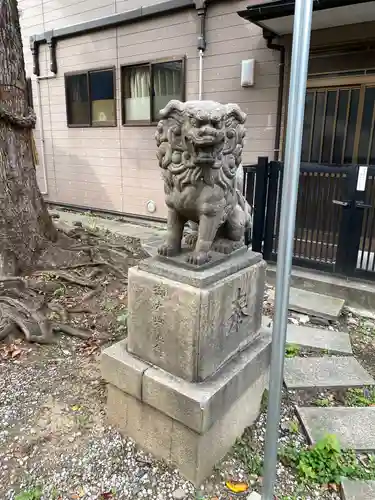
x: 167, y: 250
x: 198, y: 258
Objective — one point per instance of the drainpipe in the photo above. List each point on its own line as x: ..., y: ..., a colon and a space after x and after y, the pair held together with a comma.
x: 41, y: 128
x: 38, y: 78
x: 201, y: 7
x: 275, y: 46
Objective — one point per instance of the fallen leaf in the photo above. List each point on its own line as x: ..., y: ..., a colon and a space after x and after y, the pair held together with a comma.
x: 81, y: 492
x: 236, y: 486
x: 76, y: 408
x: 106, y: 495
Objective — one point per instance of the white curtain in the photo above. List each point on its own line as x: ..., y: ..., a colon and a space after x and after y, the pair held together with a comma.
x: 137, y: 102
x: 167, y: 81
x: 167, y: 85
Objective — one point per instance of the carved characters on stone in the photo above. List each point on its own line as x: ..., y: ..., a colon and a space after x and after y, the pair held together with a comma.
x: 199, y: 151
x: 239, y: 311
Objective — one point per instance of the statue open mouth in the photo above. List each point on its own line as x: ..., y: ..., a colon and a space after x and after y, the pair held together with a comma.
x: 205, y: 155
x: 206, y: 148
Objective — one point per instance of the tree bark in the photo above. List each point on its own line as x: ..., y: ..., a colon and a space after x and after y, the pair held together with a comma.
x: 25, y: 224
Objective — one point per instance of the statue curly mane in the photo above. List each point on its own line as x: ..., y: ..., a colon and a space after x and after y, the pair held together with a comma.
x: 200, y: 140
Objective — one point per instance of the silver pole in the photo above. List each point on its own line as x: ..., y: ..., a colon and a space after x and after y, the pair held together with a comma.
x: 296, y: 110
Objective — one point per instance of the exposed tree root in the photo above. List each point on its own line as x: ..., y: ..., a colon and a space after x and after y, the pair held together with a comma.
x: 60, y: 310
x: 7, y: 328
x: 23, y: 307
x: 70, y: 330
x: 91, y: 294
x: 76, y: 280
x: 77, y: 332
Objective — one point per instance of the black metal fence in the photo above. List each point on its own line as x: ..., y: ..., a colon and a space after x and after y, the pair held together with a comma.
x: 335, y: 221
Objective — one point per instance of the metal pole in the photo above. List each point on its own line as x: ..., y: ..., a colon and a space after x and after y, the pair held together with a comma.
x: 296, y: 109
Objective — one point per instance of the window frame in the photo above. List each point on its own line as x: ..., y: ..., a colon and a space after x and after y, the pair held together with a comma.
x: 326, y: 82
x: 87, y: 73
x: 150, y: 64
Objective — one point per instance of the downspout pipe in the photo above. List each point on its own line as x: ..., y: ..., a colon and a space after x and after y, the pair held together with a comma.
x: 201, y: 7
x: 280, y: 96
x: 41, y: 129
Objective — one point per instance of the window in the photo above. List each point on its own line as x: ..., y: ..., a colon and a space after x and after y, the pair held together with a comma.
x: 90, y: 99
x: 147, y: 88
x: 339, y: 125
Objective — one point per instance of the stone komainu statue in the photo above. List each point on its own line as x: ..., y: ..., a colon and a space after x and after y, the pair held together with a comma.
x: 199, y: 150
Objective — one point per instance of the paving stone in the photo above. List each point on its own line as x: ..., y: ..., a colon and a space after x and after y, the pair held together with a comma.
x: 315, y: 304
x: 330, y: 372
x: 358, y: 490
x: 354, y: 427
x: 317, y: 338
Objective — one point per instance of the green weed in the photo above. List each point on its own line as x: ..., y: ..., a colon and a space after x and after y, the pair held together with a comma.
x: 326, y: 462
x: 292, y: 350
x: 360, y: 397
x: 34, y: 494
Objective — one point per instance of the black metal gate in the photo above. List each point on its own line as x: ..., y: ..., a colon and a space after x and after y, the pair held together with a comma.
x: 335, y: 220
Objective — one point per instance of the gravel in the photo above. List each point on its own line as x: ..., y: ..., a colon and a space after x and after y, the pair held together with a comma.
x: 53, y: 435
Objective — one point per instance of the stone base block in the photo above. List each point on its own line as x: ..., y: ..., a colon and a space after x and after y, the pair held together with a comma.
x: 190, y: 425
x: 190, y: 323
x: 194, y: 454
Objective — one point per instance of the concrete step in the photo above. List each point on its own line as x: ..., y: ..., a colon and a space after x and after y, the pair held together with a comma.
x: 354, y: 427
x: 334, y: 372
x: 315, y: 304
x: 358, y: 490
x: 317, y: 338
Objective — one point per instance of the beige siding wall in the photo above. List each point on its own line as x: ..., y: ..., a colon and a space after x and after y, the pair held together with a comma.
x: 116, y: 168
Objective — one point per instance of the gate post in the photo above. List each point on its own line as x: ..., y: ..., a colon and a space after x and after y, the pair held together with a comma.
x: 270, y: 222
x: 350, y: 230
x: 260, y: 199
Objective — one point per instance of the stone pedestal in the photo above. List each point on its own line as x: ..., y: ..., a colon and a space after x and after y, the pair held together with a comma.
x: 191, y: 322
x: 191, y: 375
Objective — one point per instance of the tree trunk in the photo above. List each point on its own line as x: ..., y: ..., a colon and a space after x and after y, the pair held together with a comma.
x: 25, y: 224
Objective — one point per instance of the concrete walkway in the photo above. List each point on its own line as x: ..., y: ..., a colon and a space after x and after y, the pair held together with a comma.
x: 148, y: 233
x: 353, y: 426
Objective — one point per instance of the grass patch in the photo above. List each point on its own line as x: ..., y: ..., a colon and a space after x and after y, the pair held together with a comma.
x: 292, y: 350
x: 243, y: 450
x: 34, y: 494
x: 360, y: 397
x: 327, y: 463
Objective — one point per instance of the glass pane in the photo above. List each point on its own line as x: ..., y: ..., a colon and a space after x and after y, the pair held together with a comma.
x: 329, y: 126
x: 166, y: 85
x: 341, y: 124
x: 78, y: 100
x: 103, y: 109
x: 318, y: 126
x: 367, y: 127
x: 307, y: 124
x: 352, y: 125
x: 136, y: 88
